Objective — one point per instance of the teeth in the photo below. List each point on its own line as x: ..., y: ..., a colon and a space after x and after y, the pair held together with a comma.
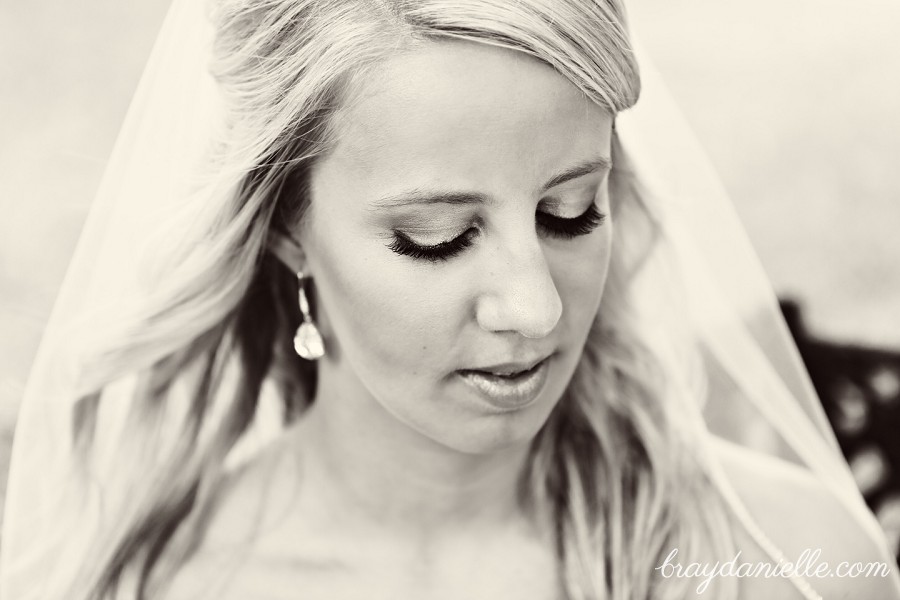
x: 496, y: 374
x: 511, y: 373
x: 508, y: 374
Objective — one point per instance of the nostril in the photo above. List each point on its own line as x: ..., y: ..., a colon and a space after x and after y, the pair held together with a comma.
x: 520, y: 296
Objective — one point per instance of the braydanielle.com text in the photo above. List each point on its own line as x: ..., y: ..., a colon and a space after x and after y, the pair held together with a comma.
x: 807, y: 565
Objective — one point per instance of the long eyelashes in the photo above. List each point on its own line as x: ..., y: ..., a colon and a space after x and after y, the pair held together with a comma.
x: 443, y: 251
x: 548, y: 224
x: 583, y: 224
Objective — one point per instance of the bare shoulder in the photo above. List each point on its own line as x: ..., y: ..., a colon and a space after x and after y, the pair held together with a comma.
x: 252, y: 502
x: 256, y: 496
x: 800, y: 514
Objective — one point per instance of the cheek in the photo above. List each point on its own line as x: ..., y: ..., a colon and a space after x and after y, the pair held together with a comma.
x: 373, y: 310
x: 580, y: 280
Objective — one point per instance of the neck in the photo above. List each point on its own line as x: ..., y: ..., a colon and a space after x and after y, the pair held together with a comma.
x: 375, y: 467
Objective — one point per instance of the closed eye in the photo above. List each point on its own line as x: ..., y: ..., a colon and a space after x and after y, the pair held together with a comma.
x: 546, y: 223
x: 564, y: 228
x: 432, y: 253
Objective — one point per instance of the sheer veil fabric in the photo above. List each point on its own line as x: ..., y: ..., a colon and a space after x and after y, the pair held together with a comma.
x: 759, y: 393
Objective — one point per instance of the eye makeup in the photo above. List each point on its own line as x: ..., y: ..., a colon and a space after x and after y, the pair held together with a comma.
x: 569, y: 228
x: 546, y: 223
x: 441, y: 251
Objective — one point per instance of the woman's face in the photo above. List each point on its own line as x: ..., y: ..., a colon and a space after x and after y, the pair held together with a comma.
x: 459, y: 242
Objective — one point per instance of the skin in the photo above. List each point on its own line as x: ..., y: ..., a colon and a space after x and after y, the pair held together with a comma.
x: 398, y: 482
x: 461, y: 118
x: 398, y: 450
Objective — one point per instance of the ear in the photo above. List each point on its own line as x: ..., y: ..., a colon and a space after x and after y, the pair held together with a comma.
x: 287, y: 250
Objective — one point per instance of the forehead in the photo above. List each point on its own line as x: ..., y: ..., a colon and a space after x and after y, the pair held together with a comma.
x: 452, y: 108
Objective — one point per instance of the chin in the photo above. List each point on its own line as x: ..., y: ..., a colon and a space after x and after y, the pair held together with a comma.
x: 492, y: 433
x: 492, y: 427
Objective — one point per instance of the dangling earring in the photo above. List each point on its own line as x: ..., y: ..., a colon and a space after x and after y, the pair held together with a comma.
x: 307, y: 341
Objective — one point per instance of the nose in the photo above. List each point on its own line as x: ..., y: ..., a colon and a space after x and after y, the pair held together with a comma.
x: 520, y: 294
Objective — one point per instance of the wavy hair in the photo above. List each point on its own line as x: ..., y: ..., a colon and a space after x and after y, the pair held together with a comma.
x: 614, y: 467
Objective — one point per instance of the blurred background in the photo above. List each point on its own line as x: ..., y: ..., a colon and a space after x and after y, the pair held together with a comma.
x: 797, y: 103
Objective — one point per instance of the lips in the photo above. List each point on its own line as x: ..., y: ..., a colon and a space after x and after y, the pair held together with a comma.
x: 509, y: 369
x: 508, y: 386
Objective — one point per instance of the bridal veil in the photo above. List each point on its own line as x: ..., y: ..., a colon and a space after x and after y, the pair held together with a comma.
x: 759, y: 393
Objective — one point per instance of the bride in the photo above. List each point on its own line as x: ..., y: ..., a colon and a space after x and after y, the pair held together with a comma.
x: 413, y: 327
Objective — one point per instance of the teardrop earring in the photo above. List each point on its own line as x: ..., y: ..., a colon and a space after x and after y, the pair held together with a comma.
x: 308, y: 342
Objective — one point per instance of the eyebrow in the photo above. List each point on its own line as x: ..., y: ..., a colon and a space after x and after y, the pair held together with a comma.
x: 420, y: 196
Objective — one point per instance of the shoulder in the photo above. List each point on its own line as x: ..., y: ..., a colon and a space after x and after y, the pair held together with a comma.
x: 255, y: 496
x: 252, y: 502
x: 800, y: 514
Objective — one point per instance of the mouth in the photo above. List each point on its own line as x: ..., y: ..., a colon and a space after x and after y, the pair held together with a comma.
x: 510, y: 386
x: 507, y: 373
x: 510, y: 369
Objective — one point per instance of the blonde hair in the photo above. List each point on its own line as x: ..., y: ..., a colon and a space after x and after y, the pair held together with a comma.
x: 613, y: 466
